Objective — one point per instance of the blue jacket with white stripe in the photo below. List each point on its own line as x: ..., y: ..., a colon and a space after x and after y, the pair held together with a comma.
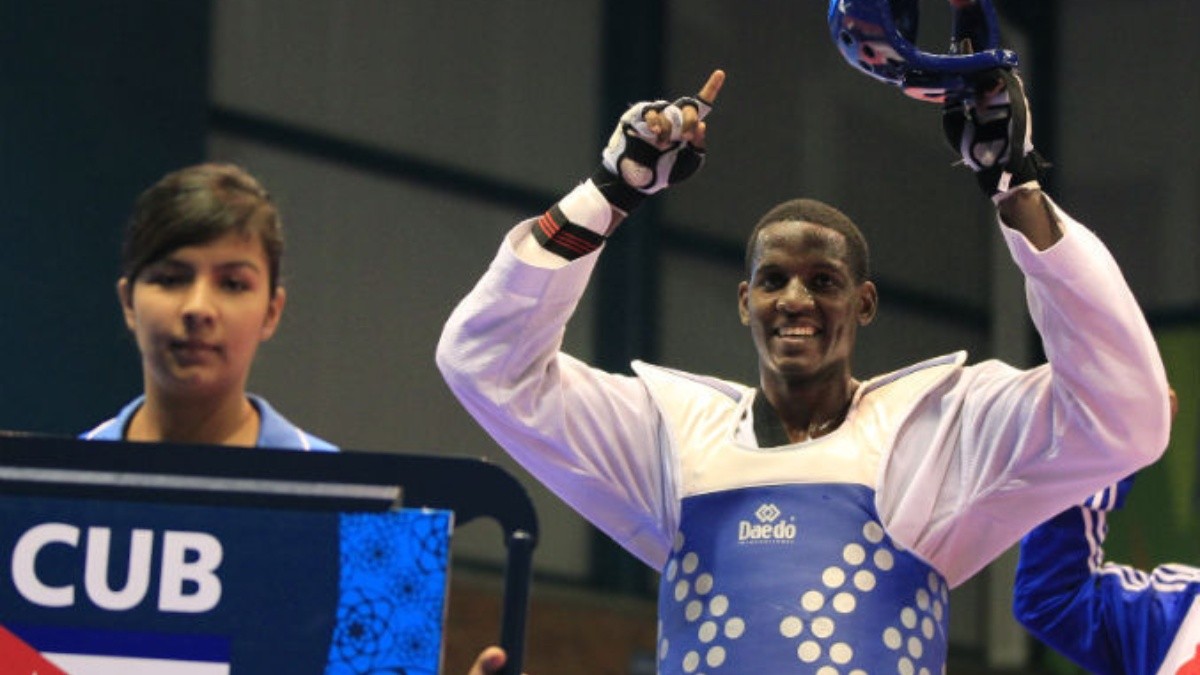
x: 1108, y: 618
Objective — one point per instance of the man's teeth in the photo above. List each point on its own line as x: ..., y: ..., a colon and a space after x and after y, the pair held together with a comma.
x: 797, y: 331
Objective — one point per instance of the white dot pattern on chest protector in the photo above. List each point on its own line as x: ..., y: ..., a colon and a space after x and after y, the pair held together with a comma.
x: 916, y: 625
x: 714, y: 627
x: 796, y: 578
x: 864, y: 562
x: 817, y: 646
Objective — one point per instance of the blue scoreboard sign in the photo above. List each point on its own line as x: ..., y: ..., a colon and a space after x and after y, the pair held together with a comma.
x: 100, y: 586
x: 129, y: 582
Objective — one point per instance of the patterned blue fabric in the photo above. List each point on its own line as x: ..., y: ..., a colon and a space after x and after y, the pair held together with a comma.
x: 393, y: 593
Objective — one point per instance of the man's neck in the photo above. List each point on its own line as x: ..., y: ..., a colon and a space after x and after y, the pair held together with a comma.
x: 812, y: 409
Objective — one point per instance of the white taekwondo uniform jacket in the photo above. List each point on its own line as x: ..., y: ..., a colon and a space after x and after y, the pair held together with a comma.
x: 836, y: 554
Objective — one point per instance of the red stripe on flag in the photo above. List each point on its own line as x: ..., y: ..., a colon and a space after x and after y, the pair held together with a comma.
x: 18, y: 658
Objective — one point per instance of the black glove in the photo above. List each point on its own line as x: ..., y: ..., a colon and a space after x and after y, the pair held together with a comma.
x: 993, y: 133
x: 636, y: 164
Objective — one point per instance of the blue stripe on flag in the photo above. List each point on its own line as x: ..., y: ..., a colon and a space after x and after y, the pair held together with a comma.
x: 205, y: 648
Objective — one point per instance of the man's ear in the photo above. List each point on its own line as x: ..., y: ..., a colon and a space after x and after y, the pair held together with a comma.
x: 125, y: 297
x: 744, y: 303
x: 868, y: 302
x: 274, y: 313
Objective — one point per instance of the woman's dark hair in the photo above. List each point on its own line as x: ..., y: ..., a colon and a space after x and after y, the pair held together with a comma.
x: 196, y: 205
x: 818, y: 213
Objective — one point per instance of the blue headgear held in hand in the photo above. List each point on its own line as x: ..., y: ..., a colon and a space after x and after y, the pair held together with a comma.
x: 877, y: 37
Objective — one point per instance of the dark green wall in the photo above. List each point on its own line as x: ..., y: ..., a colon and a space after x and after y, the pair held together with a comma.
x: 97, y: 100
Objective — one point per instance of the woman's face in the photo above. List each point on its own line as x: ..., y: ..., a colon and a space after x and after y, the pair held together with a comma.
x: 199, y: 314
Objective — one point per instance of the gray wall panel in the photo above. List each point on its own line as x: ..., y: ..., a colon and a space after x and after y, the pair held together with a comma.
x: 1130, y: 166
x: 502, y: 88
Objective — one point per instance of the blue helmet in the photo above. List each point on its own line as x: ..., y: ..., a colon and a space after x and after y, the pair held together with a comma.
x: 877, y: 36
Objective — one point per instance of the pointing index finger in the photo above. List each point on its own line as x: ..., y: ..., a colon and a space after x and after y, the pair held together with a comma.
x: 708, y: 93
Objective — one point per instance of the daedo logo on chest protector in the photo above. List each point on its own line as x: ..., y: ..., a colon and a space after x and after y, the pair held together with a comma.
x: 767, y: 527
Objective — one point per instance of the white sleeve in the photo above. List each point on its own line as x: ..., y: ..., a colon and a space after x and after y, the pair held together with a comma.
x: 996, y: 450
x: 591, y: 437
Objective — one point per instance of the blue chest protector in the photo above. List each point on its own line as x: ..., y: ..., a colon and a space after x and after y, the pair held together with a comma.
x: 796, y: 579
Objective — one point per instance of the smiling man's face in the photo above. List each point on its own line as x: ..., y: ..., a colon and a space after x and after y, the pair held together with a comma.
x: 802, y: 302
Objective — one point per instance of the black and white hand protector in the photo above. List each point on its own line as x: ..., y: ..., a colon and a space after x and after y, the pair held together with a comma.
x: 635, y: 163
x: 993, y: 133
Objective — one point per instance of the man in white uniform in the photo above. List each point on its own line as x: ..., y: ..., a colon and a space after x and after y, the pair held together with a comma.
x: 814, y: 523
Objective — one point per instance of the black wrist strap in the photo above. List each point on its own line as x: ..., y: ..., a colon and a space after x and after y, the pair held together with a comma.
x: 1031, y: 167
x: 616, y: 191
x: 562, y: 237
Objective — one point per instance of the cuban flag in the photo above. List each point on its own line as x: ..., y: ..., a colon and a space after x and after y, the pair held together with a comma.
x: 26, y: 650
x: 1183, y: 658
